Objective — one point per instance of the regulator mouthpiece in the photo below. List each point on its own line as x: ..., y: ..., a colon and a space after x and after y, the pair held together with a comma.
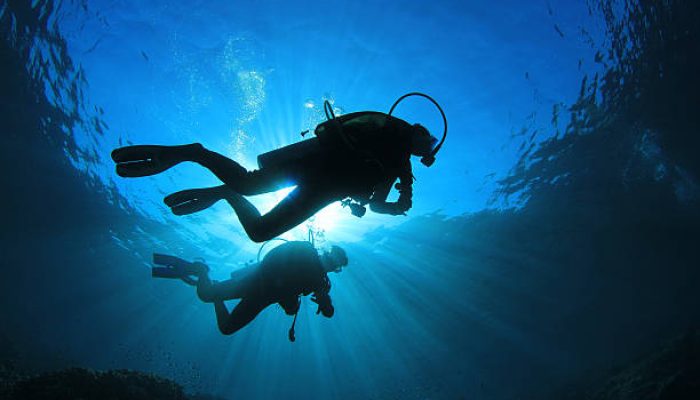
x: 428, y: 160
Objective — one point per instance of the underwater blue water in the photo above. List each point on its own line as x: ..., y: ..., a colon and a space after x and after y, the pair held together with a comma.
x: 462, y: 298
x: 247, y: 78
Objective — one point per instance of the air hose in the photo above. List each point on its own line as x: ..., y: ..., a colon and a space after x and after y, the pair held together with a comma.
x: 429, y: 159
x: 291, y: 334
x: 265, y: 244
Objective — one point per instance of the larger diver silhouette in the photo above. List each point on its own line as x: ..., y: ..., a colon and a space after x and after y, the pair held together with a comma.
x: 354, y: 158
x: 287, y: 272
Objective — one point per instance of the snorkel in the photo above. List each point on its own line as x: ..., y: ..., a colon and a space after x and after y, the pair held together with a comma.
x: 430, y: 158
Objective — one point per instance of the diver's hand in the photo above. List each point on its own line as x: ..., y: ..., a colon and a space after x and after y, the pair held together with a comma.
x: 324, y: 305
x: 328, y: 311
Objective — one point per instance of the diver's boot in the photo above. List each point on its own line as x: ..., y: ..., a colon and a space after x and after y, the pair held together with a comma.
x: 191, y: 201
x: 146, y: 160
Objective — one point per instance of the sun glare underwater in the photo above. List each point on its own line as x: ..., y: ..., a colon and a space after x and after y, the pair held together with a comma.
x: 552, y: 242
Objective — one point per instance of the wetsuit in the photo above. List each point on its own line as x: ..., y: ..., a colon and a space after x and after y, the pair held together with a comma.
x: 365, y: 167
x: 288, y: 271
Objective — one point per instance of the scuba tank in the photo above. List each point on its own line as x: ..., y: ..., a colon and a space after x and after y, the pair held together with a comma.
x: 287, y: 154
x: 329, y: 135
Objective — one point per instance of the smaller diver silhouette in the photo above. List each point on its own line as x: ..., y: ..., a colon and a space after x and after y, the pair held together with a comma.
x: 355, y: 158
x: 289, y: 271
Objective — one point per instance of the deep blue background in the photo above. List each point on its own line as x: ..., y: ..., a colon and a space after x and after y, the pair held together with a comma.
x: 519, y: 269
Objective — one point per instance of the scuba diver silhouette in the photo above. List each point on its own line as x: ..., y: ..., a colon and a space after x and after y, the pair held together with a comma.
x: 354, y: 158
x: 287, y: 272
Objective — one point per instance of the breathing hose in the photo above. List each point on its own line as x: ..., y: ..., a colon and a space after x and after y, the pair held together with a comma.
x: 429, y: 159
x: 291, y: 334
x: 265, y: 244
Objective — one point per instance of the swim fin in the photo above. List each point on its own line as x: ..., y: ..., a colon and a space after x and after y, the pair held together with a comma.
x: 193, y: 200
x: 172, y: 273
x: 175, y: 267
x: 146, y: 160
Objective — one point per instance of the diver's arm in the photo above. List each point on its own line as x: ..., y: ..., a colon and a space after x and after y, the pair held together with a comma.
x: 378, y: 201
x: 322, y: 297
x: 404, y: 203
x: 325, y: 305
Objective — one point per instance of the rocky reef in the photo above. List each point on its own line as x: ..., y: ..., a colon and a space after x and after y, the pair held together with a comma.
x: 86, y: 384
x: 672, y: 373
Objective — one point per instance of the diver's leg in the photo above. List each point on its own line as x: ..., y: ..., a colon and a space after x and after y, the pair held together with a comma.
x: 241, y: 315
x: 230, y: 289
x: 145, y: 160
x: 247, y: 183
x: 248, y: 282
x: 299, y: 205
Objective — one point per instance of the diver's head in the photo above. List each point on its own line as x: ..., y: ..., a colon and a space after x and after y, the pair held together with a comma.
x: 422, y: 142
x: 334, y: 260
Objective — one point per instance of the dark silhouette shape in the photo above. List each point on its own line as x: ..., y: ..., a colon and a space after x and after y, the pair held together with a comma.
x: 355, y: 158
x: 287, y: 272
